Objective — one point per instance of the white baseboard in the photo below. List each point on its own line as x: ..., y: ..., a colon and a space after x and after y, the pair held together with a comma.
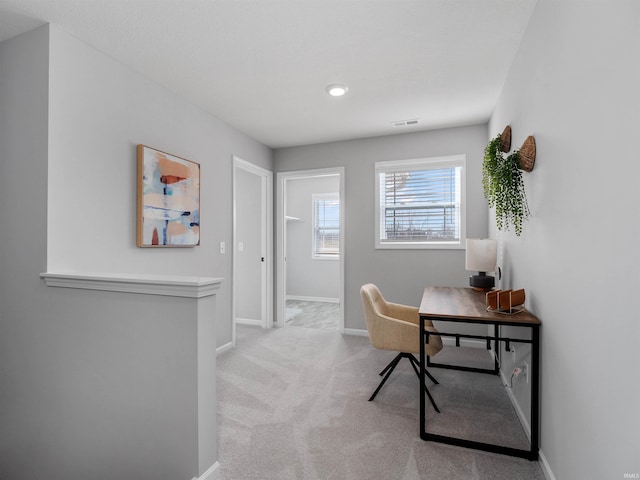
x: 212, y: 473
x: 516, y: 406
x: 358, y: 332
x: 546, y: 468
x: 249, y: 321
x: 224, y: 348
x: 301, y: 298
x: 544, y: 464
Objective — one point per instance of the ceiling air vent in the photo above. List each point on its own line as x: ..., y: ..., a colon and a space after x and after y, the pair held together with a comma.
x: 405, y: 123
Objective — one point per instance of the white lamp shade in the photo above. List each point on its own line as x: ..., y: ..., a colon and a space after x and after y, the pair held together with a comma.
x: 482, y: 254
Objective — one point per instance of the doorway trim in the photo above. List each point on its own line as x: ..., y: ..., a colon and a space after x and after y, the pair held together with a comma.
x: 266, y: 215
x: 281, y: 237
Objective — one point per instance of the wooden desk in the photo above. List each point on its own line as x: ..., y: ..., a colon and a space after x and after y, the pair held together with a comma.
x: 449, y: 304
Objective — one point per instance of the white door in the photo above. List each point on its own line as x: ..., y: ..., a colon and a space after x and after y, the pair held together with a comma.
x: 252, y: 232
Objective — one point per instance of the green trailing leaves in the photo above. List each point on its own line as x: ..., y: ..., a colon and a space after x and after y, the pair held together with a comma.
x: 503, y: 187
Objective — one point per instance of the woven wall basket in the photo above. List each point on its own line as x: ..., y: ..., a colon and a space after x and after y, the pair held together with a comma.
x: 527, y: 154
x: 505, y: 139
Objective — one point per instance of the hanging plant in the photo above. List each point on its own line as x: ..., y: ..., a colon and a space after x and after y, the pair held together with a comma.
x: 503, y: 186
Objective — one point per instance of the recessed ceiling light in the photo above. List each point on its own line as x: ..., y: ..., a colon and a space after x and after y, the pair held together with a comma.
x: 337, y: 89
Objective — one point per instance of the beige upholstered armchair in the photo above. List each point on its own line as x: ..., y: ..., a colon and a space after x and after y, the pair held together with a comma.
x: 392, y: 326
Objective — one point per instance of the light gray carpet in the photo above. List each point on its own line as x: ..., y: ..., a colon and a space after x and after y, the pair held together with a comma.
x: 292, y: 405
x: 322, y: 315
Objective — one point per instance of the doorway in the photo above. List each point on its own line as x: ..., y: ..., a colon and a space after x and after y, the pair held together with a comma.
x: 252, y: 245
x: 310, y: 246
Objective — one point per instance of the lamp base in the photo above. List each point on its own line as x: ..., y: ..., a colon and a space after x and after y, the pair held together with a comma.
x: 482, y: 282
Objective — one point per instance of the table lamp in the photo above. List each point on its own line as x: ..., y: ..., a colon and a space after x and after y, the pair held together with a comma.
x: 481, y: 256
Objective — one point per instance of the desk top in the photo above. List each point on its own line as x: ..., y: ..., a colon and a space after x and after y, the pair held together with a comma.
x: 466, y: 304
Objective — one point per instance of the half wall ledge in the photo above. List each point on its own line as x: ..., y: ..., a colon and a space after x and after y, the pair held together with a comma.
x: 167, y: 285
x: 200, y: 401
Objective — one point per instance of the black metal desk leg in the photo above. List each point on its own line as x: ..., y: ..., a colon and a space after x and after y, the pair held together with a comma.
x: 535, y: 391
x: 422, y: 381
x: 496, y: 349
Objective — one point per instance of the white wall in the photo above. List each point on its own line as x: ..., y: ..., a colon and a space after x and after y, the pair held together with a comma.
x: 99, y: 111
x: 400, y: 274
x: 574, y: 86
x: 94, y: 382
x: 23, y: 216
x: 306, y: 276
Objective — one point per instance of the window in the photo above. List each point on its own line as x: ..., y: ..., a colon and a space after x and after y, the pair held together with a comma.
x: 420, y: 203
x: 326, y: 225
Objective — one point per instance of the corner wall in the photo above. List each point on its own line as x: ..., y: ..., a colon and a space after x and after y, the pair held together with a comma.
x: 574, y: 86
x: 23, y: 216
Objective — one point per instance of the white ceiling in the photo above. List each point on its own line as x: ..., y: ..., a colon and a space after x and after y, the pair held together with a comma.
x: 263, y: 65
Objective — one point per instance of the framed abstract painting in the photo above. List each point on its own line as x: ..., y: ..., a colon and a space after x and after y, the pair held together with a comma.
x: 168, y: 200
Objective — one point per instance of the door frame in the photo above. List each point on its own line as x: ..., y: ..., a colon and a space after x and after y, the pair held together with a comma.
x: 266, y: 215
x: 281, y: 238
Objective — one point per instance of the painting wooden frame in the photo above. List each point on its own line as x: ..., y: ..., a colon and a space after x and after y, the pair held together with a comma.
x: 168, y: 200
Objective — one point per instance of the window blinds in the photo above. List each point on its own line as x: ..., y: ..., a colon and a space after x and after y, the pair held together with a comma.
x: 420, y: 205
x: 326, y: 227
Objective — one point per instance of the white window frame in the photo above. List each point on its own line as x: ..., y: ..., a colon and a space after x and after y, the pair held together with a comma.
x: 449, y: 161
x: 319, y: 197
